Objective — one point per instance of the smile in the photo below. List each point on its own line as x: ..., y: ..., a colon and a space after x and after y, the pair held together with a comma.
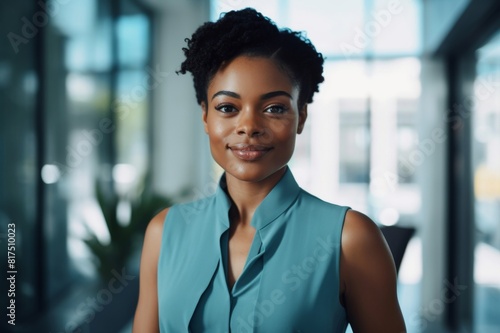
x: 249, y: 152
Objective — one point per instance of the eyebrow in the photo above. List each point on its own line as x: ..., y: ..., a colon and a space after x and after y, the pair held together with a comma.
x: 263, y: 97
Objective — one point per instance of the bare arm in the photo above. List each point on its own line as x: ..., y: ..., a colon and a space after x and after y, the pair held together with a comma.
x: 368, y: 278
x: 146, y: 314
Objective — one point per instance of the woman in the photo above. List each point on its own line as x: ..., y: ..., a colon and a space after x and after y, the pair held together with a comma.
x: 261, y: 255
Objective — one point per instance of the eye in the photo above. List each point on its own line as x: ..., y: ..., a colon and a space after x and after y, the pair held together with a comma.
x: 225, y: 108
x: 276, y: 109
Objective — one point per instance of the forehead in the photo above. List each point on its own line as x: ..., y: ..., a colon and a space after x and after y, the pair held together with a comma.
x: 252, y: 75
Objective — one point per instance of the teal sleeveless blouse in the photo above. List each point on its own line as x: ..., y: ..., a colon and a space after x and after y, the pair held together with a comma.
x: 290, y: 281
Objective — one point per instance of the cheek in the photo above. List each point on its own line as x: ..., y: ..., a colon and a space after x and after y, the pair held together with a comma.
x: 285, y: 131
x: 279, y: 131
x: 217, y: 131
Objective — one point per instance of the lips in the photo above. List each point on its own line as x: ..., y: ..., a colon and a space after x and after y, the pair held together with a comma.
x: 249, y: 152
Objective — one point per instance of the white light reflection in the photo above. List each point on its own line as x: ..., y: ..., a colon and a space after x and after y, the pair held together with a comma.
x: 124, y: 173
x: 389, y: 216
x: 80, y: 88
x: 124, y: 176
x: 50, y: 173
x: 123, y: 212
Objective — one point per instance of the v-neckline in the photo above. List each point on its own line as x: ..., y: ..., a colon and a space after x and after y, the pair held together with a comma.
x: 254, y: 250
x: 274, y: 204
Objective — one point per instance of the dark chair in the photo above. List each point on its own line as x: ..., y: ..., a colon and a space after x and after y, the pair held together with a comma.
x: 397, y: 238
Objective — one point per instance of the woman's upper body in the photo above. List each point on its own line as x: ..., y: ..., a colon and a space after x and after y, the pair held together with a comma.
x: 253, y: 83
x: 290, y: 280
x: 366, y: 284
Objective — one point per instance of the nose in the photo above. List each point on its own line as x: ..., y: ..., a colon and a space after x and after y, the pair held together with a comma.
x: 250, y: 124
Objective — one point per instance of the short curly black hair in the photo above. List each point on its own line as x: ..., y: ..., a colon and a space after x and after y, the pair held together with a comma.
x: 248, y: 32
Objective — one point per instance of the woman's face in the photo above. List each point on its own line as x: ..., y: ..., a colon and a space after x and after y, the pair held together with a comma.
x: 251, y: 117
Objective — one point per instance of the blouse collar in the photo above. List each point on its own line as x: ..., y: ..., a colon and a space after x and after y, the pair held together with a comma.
x: 274, y: 204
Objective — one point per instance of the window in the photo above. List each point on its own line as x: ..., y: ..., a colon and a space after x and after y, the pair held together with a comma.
x: 68, y: 130
x: 486, y: 175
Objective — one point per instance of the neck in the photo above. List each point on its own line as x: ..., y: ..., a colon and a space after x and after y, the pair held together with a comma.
x: 247, y: 196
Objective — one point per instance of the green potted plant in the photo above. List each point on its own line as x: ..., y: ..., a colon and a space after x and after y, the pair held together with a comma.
x: 125, y: 238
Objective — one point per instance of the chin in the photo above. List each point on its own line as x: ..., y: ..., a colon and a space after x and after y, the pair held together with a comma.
x: 252, y: 172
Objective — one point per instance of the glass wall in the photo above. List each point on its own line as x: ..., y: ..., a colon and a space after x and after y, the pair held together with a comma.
x: 75, y: 85
x: 19, y: 156
x: 107, y: 82
x: 486, y: 168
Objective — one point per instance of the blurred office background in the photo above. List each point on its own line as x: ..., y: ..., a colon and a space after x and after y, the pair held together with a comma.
x: 97, y: 133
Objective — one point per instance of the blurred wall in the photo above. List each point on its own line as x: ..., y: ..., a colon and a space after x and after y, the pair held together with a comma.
x: 180, y: 150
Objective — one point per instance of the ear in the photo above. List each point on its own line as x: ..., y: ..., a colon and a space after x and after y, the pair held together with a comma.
x: 204, y: 115
x: 302, y: 119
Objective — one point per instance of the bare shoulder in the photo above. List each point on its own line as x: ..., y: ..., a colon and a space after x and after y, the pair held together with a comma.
x: 155, y: 226
x: 360, y: 233
x: 153, y: 236
x: 365, y: 255
x: 146, y: 315
x: 363, y: 246
x: 368, y: 277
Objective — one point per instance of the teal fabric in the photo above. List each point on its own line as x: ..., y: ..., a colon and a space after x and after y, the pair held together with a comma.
x: 290, y: 282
